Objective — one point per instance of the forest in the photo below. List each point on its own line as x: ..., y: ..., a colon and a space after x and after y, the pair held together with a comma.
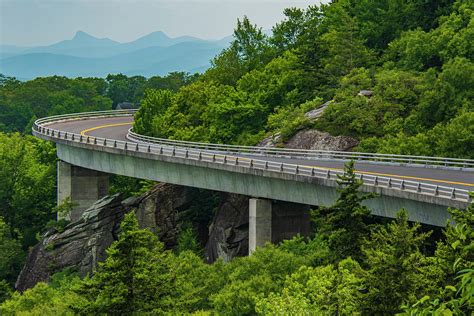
x: 417, y: 60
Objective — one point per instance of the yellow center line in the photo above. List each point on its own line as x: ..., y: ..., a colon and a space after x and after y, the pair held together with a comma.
x: 404, y: 177
x: 83, y: 133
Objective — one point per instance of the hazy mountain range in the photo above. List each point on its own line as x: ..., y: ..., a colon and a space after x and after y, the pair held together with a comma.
x: 85, y: 55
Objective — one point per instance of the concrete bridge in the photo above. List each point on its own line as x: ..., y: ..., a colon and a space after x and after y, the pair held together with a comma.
x: 92, y: 145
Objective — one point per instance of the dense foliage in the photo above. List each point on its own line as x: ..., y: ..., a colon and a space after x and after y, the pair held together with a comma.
x: 22, y: 102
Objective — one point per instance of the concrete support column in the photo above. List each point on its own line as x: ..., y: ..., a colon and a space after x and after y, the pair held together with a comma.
x: 83, y: 186
x: 260, y: 223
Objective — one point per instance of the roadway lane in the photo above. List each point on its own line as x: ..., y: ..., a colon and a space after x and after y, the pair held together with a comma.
x: 117, y: 127
x: 110, y: 127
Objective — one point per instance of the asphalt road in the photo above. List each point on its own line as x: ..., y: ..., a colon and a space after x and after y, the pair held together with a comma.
x: 117, y: 127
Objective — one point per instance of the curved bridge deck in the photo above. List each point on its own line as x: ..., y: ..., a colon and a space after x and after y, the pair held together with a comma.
x: 101, y: 143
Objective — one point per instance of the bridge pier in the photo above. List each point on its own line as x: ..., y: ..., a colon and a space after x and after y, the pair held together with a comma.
x: 260, y: 223
x: 82, y: 186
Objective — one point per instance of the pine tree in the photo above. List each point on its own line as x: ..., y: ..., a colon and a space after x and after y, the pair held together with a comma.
x: 135, y: 277
x: 397, y: 271
x: 345, y: 222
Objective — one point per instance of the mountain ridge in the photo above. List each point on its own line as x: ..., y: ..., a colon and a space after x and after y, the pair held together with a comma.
x: 155, y: 53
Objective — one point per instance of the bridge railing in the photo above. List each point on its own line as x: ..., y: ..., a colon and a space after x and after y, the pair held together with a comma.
x: 213, y: 156
x: 310, y: 154
x: 442, y: 162
x: 83, y: 115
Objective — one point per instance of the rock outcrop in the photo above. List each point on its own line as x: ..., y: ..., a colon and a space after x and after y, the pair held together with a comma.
x: 229, y: 230
x: 83, y: 243
x: 317, y: 140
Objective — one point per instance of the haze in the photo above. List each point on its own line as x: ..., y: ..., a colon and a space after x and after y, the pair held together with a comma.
x: 41, y: 22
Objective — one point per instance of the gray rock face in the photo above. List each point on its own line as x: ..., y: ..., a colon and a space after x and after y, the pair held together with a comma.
x: 316, y: 140
x: 314, y: 114
x: 312, y: 139
x: 161, y: 209
x: 83, y: 243
x: 229, y: 230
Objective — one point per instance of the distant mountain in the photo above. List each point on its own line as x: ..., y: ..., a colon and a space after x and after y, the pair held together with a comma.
x: 149, y: 61
x: 160, y: 39
x: 86, y: 55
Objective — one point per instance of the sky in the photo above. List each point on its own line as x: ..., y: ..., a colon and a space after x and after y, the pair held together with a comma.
x: 43, y: 22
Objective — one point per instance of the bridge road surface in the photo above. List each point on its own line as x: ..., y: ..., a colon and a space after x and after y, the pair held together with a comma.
x: 116, y: 128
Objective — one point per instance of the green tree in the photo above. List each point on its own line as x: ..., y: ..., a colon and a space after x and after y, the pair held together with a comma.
x: 135, y: 277
x: 27, y: 182
x: 346, y: 222
x: 323, y: 290
x: 154, y: 103
x: 455, y: 257
x: 286, y: 33
x: 397, y: 271
x: 55, y: 298
x: 246, y: 280
x: 12, y: 256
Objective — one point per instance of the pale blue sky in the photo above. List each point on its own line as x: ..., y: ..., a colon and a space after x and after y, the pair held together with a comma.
x: 41, y: 22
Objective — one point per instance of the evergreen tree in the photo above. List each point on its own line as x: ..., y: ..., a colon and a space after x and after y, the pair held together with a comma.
x: 135, y: 277
x: 397, y: 271
x: 345, y: 222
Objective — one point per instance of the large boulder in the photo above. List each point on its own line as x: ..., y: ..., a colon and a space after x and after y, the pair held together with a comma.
x: 311, y: 139
x: 317, y: 140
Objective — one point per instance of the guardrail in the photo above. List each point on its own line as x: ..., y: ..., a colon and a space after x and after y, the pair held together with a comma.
x: 84, y: 115
x: 311, y: 154
x: 181, y: 149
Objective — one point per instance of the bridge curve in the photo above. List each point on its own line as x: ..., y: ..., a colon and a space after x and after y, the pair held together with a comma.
x: 103, y: 141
